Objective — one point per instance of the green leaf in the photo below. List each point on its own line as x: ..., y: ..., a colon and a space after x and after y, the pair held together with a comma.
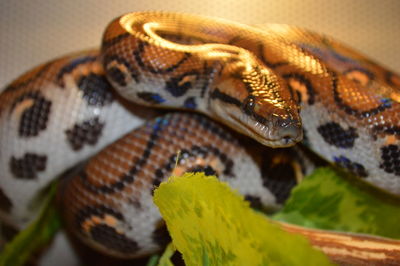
x: 212, y: 225
x: 330, y: 199
x: 35, y: 236
x: 165, y: 259
x: 153, y: 260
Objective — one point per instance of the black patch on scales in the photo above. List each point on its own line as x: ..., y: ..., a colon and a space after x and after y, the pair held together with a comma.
x: 354, y: 167
x: 28, y: 166
x: 390, y: 155
x: 108, y: 237
x: 102, y: 233
x: 87, y: 132
x: 335, y: 135
x: 34, y: 118
x: 150, y: 97
x: 178, y: 86
x: 97, y: 91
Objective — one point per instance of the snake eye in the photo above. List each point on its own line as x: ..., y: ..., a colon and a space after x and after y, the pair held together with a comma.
x: 248, y: 105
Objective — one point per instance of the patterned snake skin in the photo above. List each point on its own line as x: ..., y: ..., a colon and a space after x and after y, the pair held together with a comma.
x: 276, y: 84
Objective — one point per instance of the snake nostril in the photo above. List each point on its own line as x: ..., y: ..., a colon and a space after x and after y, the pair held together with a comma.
x: 287, y: 139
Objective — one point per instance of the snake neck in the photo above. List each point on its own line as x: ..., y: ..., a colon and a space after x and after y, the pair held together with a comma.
x: 203, y: 71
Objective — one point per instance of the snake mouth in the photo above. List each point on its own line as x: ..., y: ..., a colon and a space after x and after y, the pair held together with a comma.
x: 251, y: 131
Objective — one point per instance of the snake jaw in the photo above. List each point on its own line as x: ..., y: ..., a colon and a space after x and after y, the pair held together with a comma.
x: 273, y: 134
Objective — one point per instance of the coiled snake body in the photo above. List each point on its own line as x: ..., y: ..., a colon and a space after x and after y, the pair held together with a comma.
x: 272, y: 83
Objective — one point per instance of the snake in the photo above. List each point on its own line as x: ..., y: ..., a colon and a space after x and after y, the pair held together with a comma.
x: 104, y: 110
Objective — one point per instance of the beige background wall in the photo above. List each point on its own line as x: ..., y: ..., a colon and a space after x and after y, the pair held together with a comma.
x: 33, y: 31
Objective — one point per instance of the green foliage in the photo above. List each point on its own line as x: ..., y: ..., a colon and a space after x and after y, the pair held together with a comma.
x: 212, y: 225
x: 35, y: 236
x: 328, y: 199
x: 165, y: 258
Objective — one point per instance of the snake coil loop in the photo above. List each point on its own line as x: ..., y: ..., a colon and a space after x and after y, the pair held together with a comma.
x: 273, y: 84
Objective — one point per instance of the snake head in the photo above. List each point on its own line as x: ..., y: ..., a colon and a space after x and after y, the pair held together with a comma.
x: 256, y: 102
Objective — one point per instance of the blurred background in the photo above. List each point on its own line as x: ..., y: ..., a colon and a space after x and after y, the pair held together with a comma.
x: 32, y: 32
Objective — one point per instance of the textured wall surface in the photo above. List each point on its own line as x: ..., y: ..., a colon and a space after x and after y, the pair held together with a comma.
x: 32, y: 32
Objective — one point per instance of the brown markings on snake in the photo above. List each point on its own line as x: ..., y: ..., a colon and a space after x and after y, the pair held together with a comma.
x: 219, y: 95
x: 87, y: 132
x: 35, y: 116
x: 99, y: 222
x: 140, y: 161
x: 97, y: 210
x: 385, y: 103
x: 302, y: 85
x: 28, y: 166
x: 392, y: 79
x: 267, y: 62
x: 139, y: 54
x: 120, y: 70
x: 386, y: 129
x: 186, y: 157
x: 360, y: 75
x: 128, y: 177
x: 258, y: 49
x: 173, y: 133
x: 5, y: 202
x: 325, y: 53
x: 106, y: 44
x: 71, y: 66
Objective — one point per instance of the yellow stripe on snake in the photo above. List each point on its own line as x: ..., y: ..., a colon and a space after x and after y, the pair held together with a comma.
x: 276, y: 84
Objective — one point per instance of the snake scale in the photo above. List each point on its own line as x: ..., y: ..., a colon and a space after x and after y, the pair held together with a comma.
x: 276, y: 84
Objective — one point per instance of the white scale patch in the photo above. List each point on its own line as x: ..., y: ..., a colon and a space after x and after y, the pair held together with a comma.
x: 157, y: 86
x: 365, y: 149
x: 67, y: 109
